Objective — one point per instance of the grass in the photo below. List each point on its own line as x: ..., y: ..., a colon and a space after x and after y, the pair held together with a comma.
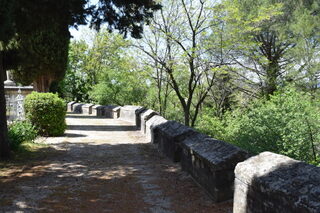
x: 28, y: 152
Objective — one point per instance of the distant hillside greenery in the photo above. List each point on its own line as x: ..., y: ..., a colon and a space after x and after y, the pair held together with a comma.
x: 246, y: 72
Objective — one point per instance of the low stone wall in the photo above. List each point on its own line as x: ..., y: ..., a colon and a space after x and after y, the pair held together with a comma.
x: 168, y: 136
x: 151, y: 124
x: 70, y: 106
x: 211, y: 163
x: 275, y: 183
x: 144, y: 117
x: 97, y: 110
x: 87, y: 109
x: 77, y: 107
x: 264, y: 183
x: 131, y: 114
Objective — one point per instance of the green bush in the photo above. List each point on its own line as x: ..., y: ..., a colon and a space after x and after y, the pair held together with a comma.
x: 288, y: 123
x: 46, y: 111
x: 21, y: 131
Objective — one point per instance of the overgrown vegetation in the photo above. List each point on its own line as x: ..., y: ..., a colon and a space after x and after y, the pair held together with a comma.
x: 46, y: 111
x: 19, y: 132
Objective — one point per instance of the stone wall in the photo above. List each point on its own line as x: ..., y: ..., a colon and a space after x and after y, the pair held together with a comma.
x: 275, y: 183
x: 264, y: 183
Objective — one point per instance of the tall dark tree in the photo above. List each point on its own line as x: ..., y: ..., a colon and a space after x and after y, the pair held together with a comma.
x: 6, y: 32
x: 38, y: 32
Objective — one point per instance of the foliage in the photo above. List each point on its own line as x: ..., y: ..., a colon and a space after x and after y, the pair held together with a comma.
x: 21, y: 131
x: 288, y: 124
x: 76, y: 84
x: 210, y: 124
x: 46, y: 111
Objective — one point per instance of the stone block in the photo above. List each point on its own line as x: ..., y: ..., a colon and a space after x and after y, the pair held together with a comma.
x: 151, y: 124
x: 98, y: 111
x: 70, y: 106
x: 108, y: 111
x: 275, y: 183
x: 77, y: 108
x: 211, y: 163
x: 144, y: 117
x: 116, y: 112
x: 130, y: 114
x: 168, y: 137
x: 87, y: 109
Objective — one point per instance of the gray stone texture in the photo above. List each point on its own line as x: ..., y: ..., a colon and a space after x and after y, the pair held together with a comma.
x: 275, y: 183
x: 70, y: 106
x: 98, y: 111
x: 108, y: 111
x: 116, y: 112
x: 129, y: 113
x: 151, y: 124
x: 87, y: 109
x: 77, y: 108
x: 211, y: 163
x: 168, y: 137
x: 144, y: 117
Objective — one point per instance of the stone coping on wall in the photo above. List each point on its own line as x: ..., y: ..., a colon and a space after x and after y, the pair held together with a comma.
x: 153, y: 122
x: 168, y: 136
x: 129, y: 113
x: 144, y: 117
x: 211, y: 163
x: 275, y: 182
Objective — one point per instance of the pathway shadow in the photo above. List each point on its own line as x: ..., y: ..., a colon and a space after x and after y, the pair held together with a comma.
x: 80, y: 116
x: 86, y: 177
x: 102, y: 128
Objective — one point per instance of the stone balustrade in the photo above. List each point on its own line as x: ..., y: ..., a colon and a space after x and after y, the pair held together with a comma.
x: 264, y: 183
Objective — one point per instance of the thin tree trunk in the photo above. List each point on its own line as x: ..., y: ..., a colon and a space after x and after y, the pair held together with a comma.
x: 4, y: 141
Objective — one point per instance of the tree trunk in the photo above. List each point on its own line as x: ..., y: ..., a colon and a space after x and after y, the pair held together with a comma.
x: 42, y: 83
x: 4, y: 141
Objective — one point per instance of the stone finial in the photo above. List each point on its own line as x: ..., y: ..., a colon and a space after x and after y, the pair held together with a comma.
x: 9, y: 82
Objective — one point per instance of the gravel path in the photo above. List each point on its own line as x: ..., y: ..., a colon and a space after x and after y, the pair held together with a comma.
x: 102, y: 165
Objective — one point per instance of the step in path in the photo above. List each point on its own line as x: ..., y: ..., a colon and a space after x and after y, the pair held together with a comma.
x: 102, y: 165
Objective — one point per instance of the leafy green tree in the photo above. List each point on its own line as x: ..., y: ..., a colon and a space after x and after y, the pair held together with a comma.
x: 76, y: 84
x: 283, y: 45
x: 119, y: 79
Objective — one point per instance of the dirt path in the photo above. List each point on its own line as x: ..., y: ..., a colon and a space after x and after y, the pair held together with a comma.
x: 102, y: 165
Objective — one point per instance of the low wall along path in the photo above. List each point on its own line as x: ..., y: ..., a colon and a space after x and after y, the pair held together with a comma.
x: 102, y: 165
x: 130, y: 159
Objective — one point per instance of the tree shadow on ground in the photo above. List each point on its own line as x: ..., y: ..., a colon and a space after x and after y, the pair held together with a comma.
x: 89, y: 177
x: 102, y: 128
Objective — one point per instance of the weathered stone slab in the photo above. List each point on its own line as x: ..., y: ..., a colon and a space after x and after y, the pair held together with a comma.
x: 87, y: 109
x: 70, y: 106
x: 275, y: 183
x: 151, y: 124
x: 129, y: 113
x: 98, y: 111
x: 77, y: 108
x: 211, y: 163
x: 144, y: 117
x: 116, y: 112
x: 108, y: 111
x: 168, y: 137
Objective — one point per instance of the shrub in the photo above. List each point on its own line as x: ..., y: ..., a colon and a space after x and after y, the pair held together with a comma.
x: 21, y: 131
x: 288, y: 123
x: 46, y: 111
